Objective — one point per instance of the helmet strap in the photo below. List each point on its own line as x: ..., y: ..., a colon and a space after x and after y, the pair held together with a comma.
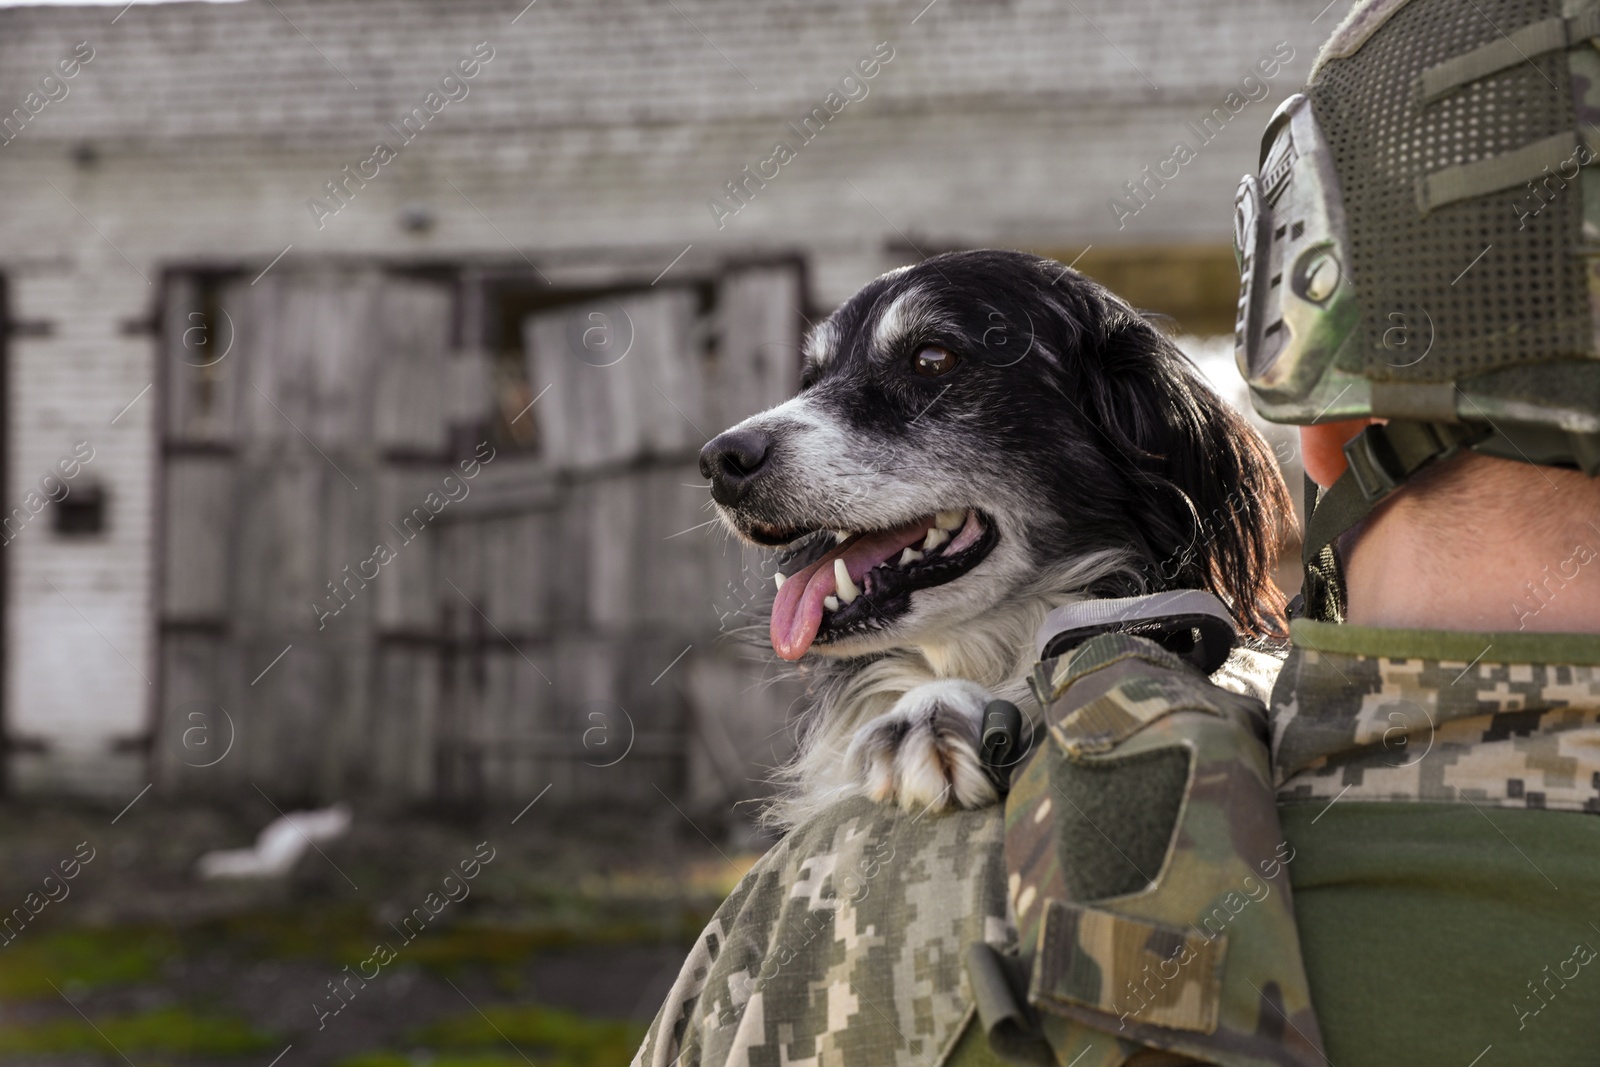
x: 1381, y: 459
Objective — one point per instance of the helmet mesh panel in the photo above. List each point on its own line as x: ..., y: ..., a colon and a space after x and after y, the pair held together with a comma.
x: 1525, y: 300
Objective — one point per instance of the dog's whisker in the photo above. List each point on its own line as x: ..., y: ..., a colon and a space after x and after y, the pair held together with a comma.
x: 691, y: 529
x: 863, y: 474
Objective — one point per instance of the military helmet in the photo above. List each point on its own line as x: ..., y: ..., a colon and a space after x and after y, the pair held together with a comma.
x: 1422, y: 244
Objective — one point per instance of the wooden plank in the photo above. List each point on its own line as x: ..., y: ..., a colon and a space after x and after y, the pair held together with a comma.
x: 613, y: 508
x: 412, y: 505
x: 667, y: 376
x: 461, y: 562
x: 757, y: 362
x: 656, y: 713
x: 575, y: 395
x: 399, y: 745
x: 312, y: 374
x: 513, y: 729
x: 651, y: 549
x: 201, y: 362
x: 740, y: 705
x: 596, y: 732
x: 289, y: 733
x: 625, y: 377
x: 460, y: 686
x: 605, y: 706
x: 281, y: 575
x: 517, y: 551
x: 194, y: 711
x: 411, y: 398
x: 197, y: 508
x: 511, y: 483
x: 569, y: 543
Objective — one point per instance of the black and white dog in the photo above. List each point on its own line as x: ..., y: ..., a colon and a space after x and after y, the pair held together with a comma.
x: 977, y: 439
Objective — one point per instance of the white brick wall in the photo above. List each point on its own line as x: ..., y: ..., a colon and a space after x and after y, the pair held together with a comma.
x: 598, y: 131
x: 79, y: 662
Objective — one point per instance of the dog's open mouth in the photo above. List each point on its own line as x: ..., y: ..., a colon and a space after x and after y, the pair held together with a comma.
x: 832, y: 585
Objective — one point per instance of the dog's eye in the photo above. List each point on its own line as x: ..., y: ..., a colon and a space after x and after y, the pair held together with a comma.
x: 932, y: 361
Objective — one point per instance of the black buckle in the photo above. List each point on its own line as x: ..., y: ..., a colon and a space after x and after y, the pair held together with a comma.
x: 1373, y: 464
x: 1002, y: 746
x: 1384, y: 455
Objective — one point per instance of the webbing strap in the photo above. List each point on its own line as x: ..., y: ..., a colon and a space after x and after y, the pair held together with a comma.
x: 1322, y: 592
x: 1309, y: 496
x: 1508, y: 169
x: 1338, y: 509
x: 1546, y: 35
x: 1381, y: 458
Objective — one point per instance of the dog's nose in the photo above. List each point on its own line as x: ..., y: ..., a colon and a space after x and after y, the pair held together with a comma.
x: 731, y: 461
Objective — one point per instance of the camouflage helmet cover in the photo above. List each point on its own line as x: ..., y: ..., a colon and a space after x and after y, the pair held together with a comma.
x: 1422, y: 243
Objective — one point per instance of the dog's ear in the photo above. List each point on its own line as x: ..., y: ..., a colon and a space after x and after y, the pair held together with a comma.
x: 1214, y: 504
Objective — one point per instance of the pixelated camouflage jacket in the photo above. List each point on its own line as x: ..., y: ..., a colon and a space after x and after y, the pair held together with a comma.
x: 842, y: 947
x: 1148, y: 876
x: 1507, y: 719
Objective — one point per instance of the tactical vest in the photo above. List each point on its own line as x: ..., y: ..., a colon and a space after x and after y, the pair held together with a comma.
x: 1147, y: 873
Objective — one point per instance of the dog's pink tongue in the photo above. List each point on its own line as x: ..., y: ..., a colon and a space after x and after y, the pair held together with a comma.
x: 797, y: 612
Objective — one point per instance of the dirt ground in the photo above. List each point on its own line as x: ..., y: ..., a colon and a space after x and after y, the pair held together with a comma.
x: 556, y: 952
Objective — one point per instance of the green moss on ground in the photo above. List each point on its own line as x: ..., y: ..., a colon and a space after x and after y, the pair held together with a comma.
x: 45, y: 963
x: 84, y: 957
x: 173, y: 1030
x: 509, y: 1036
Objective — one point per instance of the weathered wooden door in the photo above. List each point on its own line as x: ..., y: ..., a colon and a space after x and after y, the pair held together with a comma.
x: 361, y: 595
x: 601, y: 662
x: 302, y: 413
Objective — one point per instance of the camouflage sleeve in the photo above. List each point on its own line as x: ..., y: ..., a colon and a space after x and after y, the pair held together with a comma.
x: 1147, y: 871
x: 670, y: 1035
x: 843, y: 946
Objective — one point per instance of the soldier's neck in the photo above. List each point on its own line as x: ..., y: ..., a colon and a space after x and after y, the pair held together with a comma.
x: 1533, y: 567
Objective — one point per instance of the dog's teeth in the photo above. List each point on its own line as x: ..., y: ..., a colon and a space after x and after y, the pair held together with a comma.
x: 780, y: 578
x: 935, y: 538
x: 840, y: 537
x: 910, y: 555
x: 841, y: 578
x: 950, y: 520
x: 831, y: 603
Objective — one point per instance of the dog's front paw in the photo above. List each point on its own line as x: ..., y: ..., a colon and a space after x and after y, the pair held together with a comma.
x: 923, y: 753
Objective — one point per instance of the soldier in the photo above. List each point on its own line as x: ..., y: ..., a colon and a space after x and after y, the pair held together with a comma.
x: 1420, y: 257
x: 1422, y: 296
x: 1393, y: 863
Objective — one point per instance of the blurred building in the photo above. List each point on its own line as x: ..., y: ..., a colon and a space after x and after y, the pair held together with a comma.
x: 288, y: 270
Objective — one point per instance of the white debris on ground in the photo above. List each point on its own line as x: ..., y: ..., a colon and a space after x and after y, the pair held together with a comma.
x: 278, y: 847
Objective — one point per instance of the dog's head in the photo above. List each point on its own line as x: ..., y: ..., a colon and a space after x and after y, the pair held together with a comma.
x: 976, y: 427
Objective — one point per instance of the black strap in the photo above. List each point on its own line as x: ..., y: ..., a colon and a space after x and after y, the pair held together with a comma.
x: 1334, y: 512
x: 1381, y: 458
